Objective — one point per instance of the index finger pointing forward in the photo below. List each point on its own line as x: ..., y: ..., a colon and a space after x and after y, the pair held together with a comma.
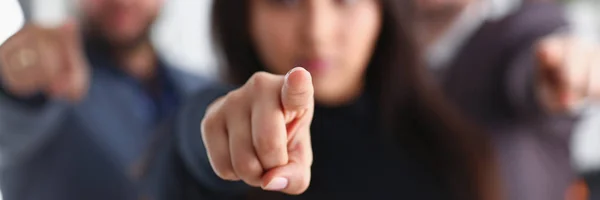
x: 297, y: 93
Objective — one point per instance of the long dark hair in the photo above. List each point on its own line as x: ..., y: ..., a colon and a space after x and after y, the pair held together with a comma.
x: 412, y: 110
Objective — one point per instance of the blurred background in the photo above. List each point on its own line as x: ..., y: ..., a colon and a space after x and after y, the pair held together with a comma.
x: 585, y: 17
x: 182, y: 37
x: 181, y: 34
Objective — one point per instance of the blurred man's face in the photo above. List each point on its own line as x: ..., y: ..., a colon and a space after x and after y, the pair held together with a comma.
x: 121, y: 22
x: 440, y: 7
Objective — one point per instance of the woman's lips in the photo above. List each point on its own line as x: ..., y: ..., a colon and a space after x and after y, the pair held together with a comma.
x: 315, y: 65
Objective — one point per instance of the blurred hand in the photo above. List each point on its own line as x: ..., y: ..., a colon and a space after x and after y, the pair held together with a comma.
x: 569, y: 72
x: 260, y: 133
x: 45, y: 60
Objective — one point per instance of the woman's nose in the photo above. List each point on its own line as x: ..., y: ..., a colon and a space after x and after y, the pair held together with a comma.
x: 319, y: 22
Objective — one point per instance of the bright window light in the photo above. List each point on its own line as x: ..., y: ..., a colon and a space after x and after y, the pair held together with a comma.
x: 11, y: 19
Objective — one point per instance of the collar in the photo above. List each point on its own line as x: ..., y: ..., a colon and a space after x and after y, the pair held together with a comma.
x: 183, y: 82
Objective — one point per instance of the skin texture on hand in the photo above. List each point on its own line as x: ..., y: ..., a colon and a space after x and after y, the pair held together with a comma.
x: 46, y: 60
x: 568, y: 73
x: 260, y: 133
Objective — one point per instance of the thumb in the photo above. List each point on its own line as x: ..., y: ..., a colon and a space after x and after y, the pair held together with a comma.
x: 297, y: 93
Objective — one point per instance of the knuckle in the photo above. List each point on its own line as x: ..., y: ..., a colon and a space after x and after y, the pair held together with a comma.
x: 224, y: 172
x: 268, y: 147
x: 234, y: 98
x: 260, y: 80
x: 209, y: 125
x: 248, y: 169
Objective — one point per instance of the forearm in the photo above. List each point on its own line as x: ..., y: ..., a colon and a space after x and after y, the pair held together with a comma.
x: 25, y: 127
x: 190, y: 146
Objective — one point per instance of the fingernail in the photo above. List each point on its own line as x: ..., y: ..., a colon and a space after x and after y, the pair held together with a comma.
x: 291, y: 71
x: 278, y: 183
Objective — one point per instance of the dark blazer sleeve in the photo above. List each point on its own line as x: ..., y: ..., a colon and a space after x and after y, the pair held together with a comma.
x: 190, y: 148
x: 26, y: 125
x: 521, y: 87
x: 537, y: 21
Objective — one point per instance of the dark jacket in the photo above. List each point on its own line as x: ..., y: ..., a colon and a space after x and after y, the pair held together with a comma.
x: 492, y: 80
x: 51, y: 150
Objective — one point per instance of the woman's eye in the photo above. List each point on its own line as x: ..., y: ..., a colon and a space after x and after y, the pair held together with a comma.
x: 291, y: 3
x: 346, y: 2
x: 286, y: 2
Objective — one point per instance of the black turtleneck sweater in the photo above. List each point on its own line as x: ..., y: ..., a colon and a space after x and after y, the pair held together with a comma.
x: 351, y: 160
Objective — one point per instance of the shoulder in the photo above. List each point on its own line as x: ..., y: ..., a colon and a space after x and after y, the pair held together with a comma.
x: 520, y: 28
x: 199, y: 100
x: 188, y: 82
x: 194, y: 107
x: 532, y: 21
x: 516, y: 34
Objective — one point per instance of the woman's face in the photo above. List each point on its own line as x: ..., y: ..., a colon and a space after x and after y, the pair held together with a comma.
x: 332, y: 39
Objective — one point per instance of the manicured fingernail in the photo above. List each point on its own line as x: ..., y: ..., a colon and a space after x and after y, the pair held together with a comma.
x: 278, y: 183
x: 291, y: 71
